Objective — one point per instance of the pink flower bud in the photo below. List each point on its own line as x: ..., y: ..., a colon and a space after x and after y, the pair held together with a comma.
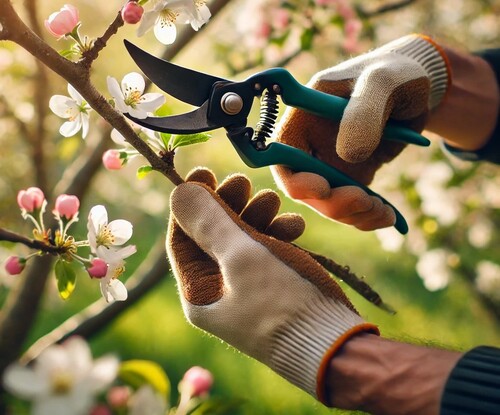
x: 30, y: 199
x: 98, y: 268
x: 197, y: 381
x: 132, y: 12
x: 118, y: 396
x: 63, y: 22
x: 67, y: 206
x: 111, y: 160
x: 100, y: 410
x: 14, y: 265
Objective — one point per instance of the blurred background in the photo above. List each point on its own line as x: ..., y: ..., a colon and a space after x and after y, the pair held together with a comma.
x: 443, y: 278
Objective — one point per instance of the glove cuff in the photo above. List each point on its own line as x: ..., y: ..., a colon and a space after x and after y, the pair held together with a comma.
x: 303, y: 349
x: 431, y: 57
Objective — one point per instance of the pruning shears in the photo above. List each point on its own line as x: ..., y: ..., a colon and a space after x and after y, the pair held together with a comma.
x: 225, y: 103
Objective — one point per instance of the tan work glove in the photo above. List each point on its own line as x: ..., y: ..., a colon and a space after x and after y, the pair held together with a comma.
x: 403, y: 80
x: 240, y: 279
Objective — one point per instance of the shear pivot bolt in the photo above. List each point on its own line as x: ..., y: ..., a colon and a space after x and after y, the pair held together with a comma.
x: 231, y: 103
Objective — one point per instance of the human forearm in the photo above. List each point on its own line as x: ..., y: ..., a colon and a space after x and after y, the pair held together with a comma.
x: 385, y: 377
x: 468, y: 114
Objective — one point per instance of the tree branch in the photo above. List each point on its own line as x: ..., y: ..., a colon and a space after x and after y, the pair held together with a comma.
x: 385, y: 8
x: 6, y: 235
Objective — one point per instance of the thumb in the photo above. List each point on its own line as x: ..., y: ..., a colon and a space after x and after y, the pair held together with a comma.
x: 204, y: 217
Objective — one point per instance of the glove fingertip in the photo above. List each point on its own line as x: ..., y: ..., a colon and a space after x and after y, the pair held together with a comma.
x: 202, y: 175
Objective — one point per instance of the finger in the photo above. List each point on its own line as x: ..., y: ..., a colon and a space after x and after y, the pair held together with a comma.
x: 235, y: 190
x: 261, y: 210
x: 380, y: 216
x: 287, y: 227
x: 198, y: 275
x: 301, y: 185
x: 353, y: 206
x: 202, y: 175
x: 207, y: 219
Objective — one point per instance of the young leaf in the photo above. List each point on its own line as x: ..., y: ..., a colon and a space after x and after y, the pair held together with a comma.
x: 139, y: 372
x: 165, y: 138
x: 143, y: 171
x: 66, y: 278
x: 188, y: 139
x: 219, y: 406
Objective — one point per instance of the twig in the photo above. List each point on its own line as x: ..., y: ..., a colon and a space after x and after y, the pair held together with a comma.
x: 100, y: 43
x: 345, y: 274
x: 385, y: 8
x: 6, y: 235
x: 98, y: 315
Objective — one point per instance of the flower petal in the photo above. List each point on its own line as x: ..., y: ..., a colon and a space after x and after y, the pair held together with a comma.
x: 122, y: 231
x: 103, y: 373
x: 73, y: 93
x: 24, y: 382
x: 147, y: 22
x: 59, y: 105
x: 133, y: 81
x: 85, y: 125
x: 99, y: 216
x: 114, y: 88
x: 125, y: 252
x: 117, y: 290
x: 151, y: 101
x: 118, y: 138
x: 70, y: 128
x: 78, y: 352
x: 165, y: 32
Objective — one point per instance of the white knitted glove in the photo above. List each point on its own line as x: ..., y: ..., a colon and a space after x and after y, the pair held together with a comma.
x: 262, y: 295
x: 402, y: 80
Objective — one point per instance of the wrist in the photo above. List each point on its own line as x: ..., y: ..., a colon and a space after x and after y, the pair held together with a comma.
x: 469, y: 114
x: 381, y: 376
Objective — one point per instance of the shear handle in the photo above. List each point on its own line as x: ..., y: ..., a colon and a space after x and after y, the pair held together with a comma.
x: 325, y: 105
x: 298, y: 160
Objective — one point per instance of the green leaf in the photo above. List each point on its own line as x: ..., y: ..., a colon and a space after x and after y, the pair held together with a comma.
x: 218, y: 406
x: 67, y: 53
x: 188, y: 139
x: 143, y: 171
x: 306, y: 39
x: 165, y: 138
x: 66, y: 278
x: 140, y: 372
x: 163, y: 111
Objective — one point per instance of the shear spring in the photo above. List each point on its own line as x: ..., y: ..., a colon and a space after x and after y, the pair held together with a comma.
x: 269, y: 108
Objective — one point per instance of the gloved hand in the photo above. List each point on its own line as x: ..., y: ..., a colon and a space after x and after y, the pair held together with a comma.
x: 240, y: 279
x: 402, y: 80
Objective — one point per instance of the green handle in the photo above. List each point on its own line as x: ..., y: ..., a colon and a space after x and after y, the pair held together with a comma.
x: 326, y: 105
x: 295, y: 159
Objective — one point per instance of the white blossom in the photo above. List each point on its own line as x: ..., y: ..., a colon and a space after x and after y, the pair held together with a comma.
x: 432, y: 267
x: 129, y: 96
x: 166, y: 13
x: 64, y: 379
x: 75, y: 109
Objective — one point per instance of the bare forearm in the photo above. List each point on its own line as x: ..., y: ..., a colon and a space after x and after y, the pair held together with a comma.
x: 390, y: 378
x: 467, y: 116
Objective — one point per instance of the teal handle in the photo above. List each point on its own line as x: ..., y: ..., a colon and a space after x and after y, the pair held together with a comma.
x: 326, y: 105
x: 298, y: 160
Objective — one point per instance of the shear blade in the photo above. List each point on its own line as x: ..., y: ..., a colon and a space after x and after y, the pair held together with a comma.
x: 185, y: 84
x: 189, y: 123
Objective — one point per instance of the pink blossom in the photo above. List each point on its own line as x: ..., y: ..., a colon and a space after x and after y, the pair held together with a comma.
x: 198, y: 381
x: 132, y: 12
x: 100, y: 410
x: 98, y: 268
x: 63, y: 22
x: 14, y: 265
x: 118, y: 396
x: 30, y: 199
x: 111, y: 160
x: 66, y: 206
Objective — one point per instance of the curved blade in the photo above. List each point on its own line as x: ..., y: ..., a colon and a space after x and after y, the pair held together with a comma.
x: 182, y: 83
x: 189, y: 123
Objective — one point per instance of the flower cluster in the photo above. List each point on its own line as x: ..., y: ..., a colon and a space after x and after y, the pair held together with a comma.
x: 106, y: 241
x: 65, y: 380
